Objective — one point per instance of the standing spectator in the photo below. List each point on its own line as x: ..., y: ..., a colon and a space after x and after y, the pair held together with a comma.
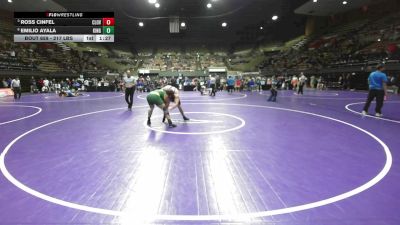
x: 340, y: 82
x: 217, y: 82
x: 320, y: 85
x: 269, y: 83
x: 274, y: 93
x: 75, y: 84
x: 68, y: 82
x: 121, y: 85
x: 393, y: 83
x: 288, y: 83
x: 251, y: 85
x: 53, y: 85
x: 9, y: 80
x: 230, y: 83
x: 243, y: 84
x: 46, y: 87
x: 57, y: 87
x: 377, y: 89
x: 295, y: 81
x: 346, y: 82
x: 86, y: 84
x: 238, y: 84
x: 95, y: 82
x: 64, y: 85
x: 16, y: 87
x: 4, y: 83
x: 33, y: 84
x: 223, y: 84
x: 201, y: 87
x: 258, y: 83
x: 140, y: 84
x: 116, y: 85
x: 173, y: 82
x: 302, y: 82
x: 262, y: 84
x: 313, y: 82
x: 40, y: 84
x: 353, y: 81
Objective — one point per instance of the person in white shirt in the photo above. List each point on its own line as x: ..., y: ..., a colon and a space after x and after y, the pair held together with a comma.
x: 213, y: 87
x: 57, y: 87
x: 46, y: 82
x: 86, y: 84
x: 129, y: 84
x: 177, y: 100
x: 45, y: 87
x: 302, y: 82
x: 16, y: 87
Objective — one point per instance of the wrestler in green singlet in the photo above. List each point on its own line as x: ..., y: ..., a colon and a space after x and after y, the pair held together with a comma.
x: 161, y: 99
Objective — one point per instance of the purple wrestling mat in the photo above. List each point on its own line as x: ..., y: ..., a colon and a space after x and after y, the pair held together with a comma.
x: 305, y: 160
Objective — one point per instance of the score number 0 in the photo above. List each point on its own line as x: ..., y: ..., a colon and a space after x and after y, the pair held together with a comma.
x: 108, y: 21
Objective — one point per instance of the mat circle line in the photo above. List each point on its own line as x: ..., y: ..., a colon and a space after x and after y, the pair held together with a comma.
x: 73, y: 100
x: 242, y: 124
x: 316, y: 97
x: 347, y: 107
x: 22, y: 118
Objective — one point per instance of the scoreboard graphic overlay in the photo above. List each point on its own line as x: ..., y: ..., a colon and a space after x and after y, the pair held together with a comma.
x: 64, y: 26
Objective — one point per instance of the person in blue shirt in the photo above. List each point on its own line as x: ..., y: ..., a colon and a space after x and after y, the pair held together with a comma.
x: 251, y: 85
x: 230, y: 83
x: 377, y: 89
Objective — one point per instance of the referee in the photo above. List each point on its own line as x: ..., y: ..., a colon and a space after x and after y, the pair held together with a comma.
x: 16, y: 88
x: 377, y: 89
x: 129, y: 84
x: 213, y: 83
x: 302, y: 82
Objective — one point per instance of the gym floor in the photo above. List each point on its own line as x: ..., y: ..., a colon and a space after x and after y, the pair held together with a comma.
x: 304, y: 160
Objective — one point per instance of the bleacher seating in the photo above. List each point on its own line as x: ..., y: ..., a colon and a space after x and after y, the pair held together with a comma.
x: 357, y: 43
